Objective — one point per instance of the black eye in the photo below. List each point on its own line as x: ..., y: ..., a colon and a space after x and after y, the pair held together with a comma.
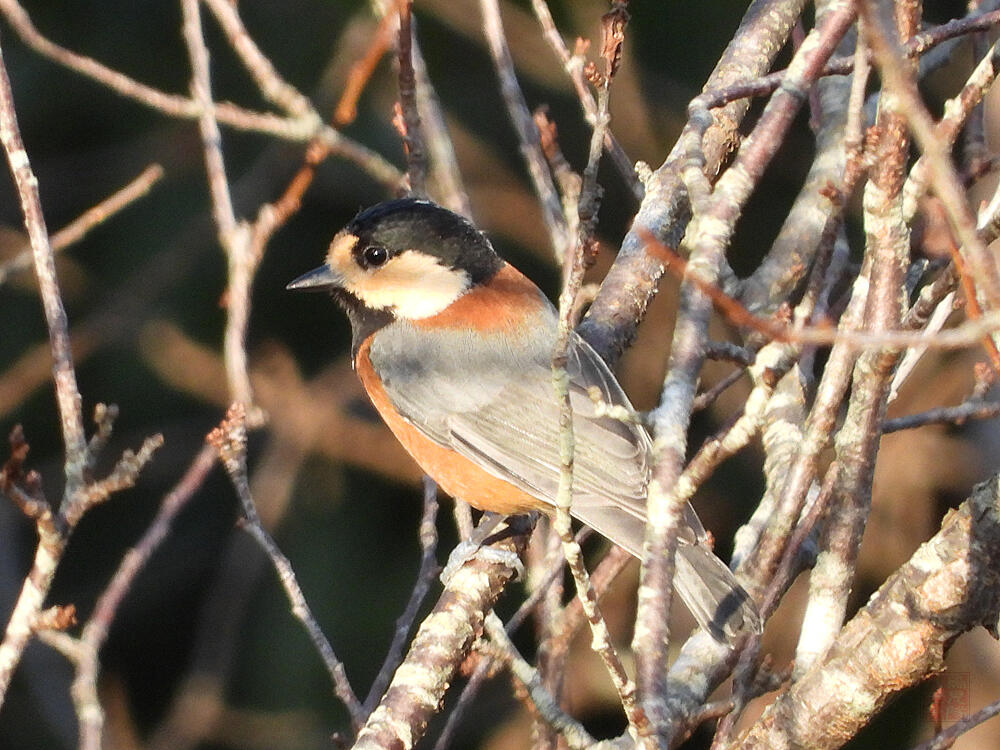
x: 374, y: 256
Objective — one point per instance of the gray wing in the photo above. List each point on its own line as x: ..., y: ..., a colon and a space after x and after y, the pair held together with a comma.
x: 458, y: 390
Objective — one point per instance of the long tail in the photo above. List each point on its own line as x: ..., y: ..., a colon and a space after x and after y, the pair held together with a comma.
x: 711, y: 592
x: 708, y: 588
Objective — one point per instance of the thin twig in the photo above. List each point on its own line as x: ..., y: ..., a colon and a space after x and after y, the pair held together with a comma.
x: 52, y: 539
x: 949, y: 415
x: 413, y: 136
x: 846, y: 64
x: 426, y: 575
x: 229, y: 440
x: 362, y: 69
x: 571, y: 731
x: 957, y: 111
x: 67, y: 392
x: 89, y: 219
x: 527, y: 134
x: 234, y: 235
x: 965, y: 335
x: 273, y: 87
x: 95, y: 632
x: 173, y: 105
x: 573, y: 65
x: 946, y: 738
x: 447, y: 179
x: 575, y: 264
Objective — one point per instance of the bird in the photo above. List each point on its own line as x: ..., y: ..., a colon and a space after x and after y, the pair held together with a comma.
x: 453, y: 346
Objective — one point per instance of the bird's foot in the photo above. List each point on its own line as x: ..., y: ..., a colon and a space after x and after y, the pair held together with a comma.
x: 475, y: 547
x: 467, y: 551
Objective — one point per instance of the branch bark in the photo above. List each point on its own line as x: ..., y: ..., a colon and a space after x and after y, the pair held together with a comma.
x: 949, y: 586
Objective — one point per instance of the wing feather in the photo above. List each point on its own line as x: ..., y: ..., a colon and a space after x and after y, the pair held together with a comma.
x: 457, y: 388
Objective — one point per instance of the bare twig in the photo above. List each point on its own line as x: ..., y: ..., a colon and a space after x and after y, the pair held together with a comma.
x: 67, y: 392
x: 950, y: 415
x: 571, y: 731
x: 234, y: 236
x: 809, y: 227
x: 444, y: 172
x: 92, y: 217
x: 957, y: 111
x: 52, y: 535
x: 413, y: 137
x: 965, y: 335
x: 560, y: 233
x: 274, y: 88
x: 173, y: 105
x: 95, y: 631
x: 229, y: 440
x: 573, y: 65
x: 362, y: 69
x: 54, y: 530
x: 426, y: 575
x: 946, y: 737
x: 575, y: 264
x: 527, y: 607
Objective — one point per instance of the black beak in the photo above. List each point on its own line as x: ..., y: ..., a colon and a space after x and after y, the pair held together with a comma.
x: 318, y: 280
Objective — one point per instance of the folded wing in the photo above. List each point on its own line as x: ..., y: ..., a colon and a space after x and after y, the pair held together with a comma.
x: 458, y: 391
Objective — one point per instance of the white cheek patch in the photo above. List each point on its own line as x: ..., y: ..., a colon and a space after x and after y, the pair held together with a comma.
x: 413, y: 285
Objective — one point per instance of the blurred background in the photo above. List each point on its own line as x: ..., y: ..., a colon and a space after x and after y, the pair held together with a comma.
x: 203, y: 652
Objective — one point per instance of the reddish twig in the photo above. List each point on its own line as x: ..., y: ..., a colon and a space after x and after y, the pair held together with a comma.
x: 362, y: 69
x: 962, y: 336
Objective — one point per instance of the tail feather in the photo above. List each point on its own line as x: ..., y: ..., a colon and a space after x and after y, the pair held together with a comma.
x: 712, y: 593
x: 708, y: 588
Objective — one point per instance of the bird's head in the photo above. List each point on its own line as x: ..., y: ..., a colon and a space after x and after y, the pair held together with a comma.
x: 405, y: 259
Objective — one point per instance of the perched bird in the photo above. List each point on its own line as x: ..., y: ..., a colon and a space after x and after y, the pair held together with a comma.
x: 453, y: 346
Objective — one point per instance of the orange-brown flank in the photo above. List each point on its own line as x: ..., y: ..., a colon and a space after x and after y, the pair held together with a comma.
x: 487, y: 306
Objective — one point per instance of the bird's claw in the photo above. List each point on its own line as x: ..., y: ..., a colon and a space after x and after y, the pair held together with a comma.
x: 466, y: 551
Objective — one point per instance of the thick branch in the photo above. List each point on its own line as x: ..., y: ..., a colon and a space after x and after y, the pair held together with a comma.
x: 612, y: 320
x: 439, y: 647
x: 950, y: 585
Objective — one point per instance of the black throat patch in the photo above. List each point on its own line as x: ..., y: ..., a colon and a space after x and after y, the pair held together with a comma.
x: 364, y: 320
